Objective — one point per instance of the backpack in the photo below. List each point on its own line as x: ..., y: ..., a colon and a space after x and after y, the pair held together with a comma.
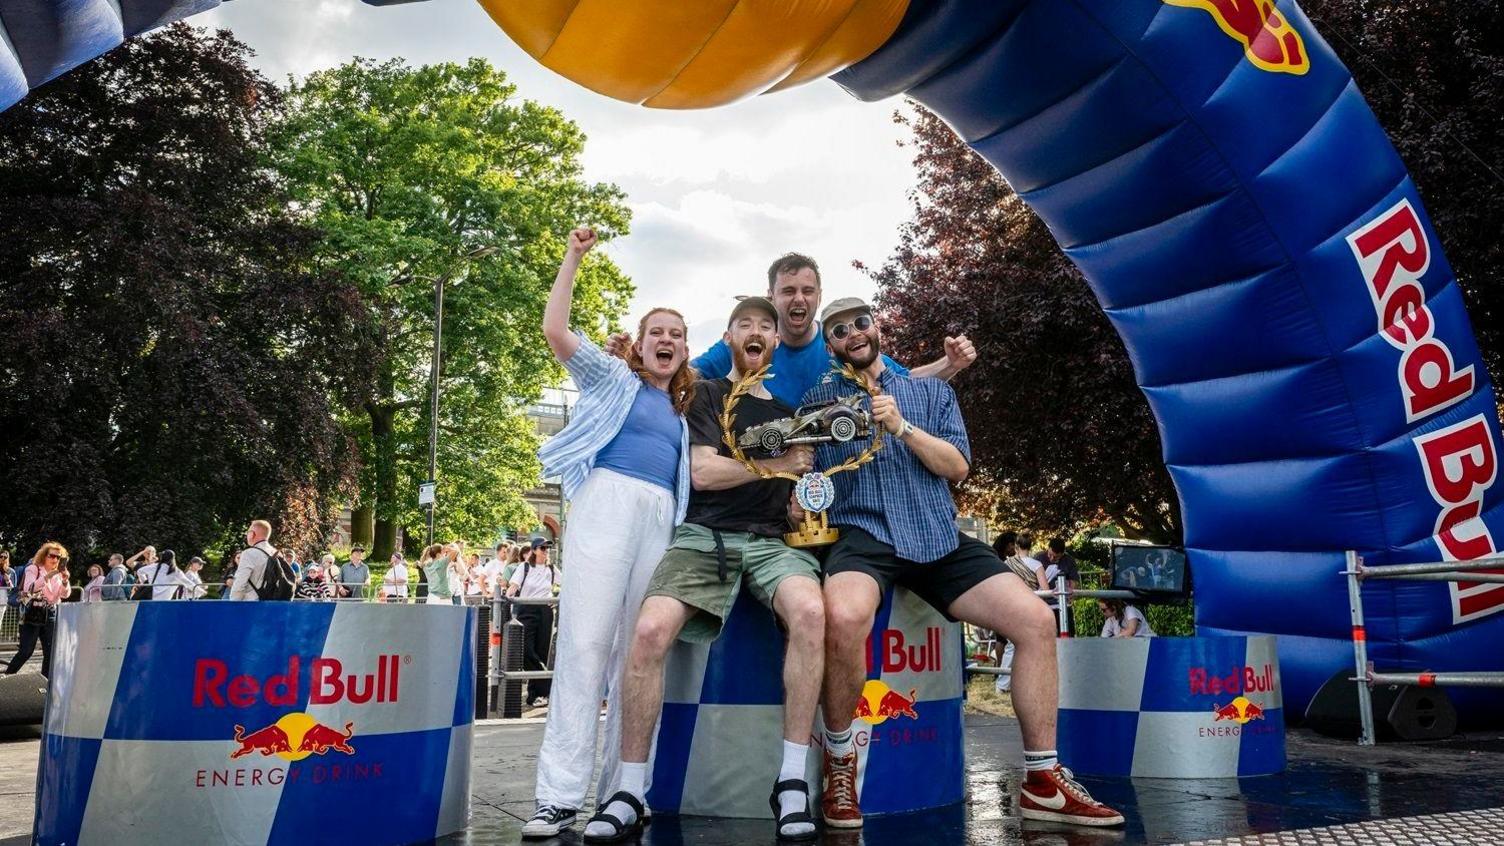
x: 276, y: 578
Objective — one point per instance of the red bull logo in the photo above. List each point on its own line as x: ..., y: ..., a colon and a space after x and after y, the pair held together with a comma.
x: 292, y: 738
x: 880, y: 703
x: 1393, y: 252
x: 1239, y: 681
x: 214, y: 687
x: 1239, y: 710
x: 1268, y: 40
x: 897, y: 655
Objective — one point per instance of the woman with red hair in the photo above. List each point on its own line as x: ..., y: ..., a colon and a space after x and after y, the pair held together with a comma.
x: 46, y: 585
x: 624, y: 465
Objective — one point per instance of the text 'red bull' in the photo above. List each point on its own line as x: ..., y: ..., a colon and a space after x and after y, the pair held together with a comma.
x: 214, y: 686
x: 897, y: 655
x: 1459, y: 461
x: 1239, y: 681
x: 1269, y: 42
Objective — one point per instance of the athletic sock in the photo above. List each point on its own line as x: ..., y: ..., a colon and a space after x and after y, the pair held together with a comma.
x: 795, y: 755
x: 839, y: 744
x: 633, y: 775
x: 1043, y: 760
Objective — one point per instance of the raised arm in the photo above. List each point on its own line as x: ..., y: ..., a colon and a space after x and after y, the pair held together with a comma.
x: 561, y: 339
x: 959, y: 355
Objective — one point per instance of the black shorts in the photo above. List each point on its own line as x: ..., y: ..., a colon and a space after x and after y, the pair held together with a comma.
x: 940, y: 582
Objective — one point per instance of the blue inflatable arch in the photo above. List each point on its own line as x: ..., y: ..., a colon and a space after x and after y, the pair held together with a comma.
x: 1212, y: 168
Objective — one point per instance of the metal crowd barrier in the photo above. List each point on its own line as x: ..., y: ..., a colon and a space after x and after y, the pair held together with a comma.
x: 1438, y: 571
x: 507, y: 681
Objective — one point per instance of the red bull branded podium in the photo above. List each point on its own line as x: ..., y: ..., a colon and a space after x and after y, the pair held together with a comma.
x: 718, y: 747
x: 246, y: 722
x: 1171, y: 707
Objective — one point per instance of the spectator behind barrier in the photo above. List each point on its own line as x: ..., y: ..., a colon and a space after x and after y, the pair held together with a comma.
x: 394, y: 583
x: 355, y: 575
x: 117, y: 580
x: 94, y: 584
x: 1123, y: 620
x: 250, y: 571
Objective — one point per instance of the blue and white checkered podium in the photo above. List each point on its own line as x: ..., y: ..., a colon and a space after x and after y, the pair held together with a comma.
x: 718, y: 746
x: 1171, y: 707
x: 257, y: 723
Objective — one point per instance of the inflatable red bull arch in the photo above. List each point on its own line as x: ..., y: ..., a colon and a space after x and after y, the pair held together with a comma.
x: 1239, y: 213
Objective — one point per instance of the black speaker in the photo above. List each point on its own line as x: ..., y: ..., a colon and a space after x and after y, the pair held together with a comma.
x: 22, y: 697
x: 1422, y: 713
x: 1401, y: 712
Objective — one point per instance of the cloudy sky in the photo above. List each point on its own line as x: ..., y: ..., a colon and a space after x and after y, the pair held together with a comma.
x: 715, y: 195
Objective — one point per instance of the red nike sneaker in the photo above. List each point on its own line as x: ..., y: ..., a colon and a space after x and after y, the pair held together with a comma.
x: 1054, y: 795
x: 839, y: 804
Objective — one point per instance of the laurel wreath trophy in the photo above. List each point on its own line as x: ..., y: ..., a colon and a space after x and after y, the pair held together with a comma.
x: 814, y: 490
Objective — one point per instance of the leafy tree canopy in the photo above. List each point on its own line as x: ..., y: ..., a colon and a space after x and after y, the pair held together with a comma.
x: 174, y: 360
x: 441, y: 172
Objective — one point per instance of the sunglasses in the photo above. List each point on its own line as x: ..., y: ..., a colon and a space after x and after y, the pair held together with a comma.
x: 841, y: 330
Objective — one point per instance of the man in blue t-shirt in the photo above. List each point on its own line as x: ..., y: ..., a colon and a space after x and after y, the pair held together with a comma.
x: 801, y: 358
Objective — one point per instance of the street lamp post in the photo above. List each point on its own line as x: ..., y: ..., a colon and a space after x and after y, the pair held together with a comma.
x: 438, y: 335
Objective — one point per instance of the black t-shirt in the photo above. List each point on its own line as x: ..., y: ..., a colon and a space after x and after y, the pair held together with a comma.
x: 760, y: 507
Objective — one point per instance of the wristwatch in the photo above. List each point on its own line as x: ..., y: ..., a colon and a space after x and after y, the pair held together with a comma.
x: 906, y: 430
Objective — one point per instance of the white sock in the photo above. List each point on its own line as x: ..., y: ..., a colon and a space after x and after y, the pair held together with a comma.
x: 795, y: 756
x: 632, y: 777
x: 1043, y: 760
x: 839, y: 744
x: 793, y: 801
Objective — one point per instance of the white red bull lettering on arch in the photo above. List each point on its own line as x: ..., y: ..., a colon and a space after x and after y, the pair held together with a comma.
x: 1459, y: 463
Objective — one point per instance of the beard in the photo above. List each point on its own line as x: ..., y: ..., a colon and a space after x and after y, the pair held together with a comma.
x: 863, y: 357
x: 740, y: 357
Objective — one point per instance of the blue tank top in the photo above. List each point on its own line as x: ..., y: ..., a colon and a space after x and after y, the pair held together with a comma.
x: 647, y: 447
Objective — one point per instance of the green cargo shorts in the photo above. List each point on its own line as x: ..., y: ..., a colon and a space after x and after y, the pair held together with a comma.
x: 689, y: 572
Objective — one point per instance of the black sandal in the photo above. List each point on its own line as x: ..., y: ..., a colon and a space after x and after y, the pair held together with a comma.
x: 622, y: 830
x: 796, y: 817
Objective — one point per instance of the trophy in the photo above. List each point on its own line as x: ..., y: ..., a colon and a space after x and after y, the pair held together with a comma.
x: 836, y: 421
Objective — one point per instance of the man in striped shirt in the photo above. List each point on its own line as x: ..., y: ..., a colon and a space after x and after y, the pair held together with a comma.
x: 898, y: 526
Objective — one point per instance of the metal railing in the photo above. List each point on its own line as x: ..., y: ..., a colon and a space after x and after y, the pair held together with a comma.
x: 1436, y: 571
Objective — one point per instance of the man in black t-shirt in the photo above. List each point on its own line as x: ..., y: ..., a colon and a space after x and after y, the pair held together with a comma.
x: 732, y: 534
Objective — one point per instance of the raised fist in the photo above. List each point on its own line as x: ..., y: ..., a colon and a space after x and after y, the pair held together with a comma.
x: 580, y: 241
x: 618, y: 344
x: 959, y: 353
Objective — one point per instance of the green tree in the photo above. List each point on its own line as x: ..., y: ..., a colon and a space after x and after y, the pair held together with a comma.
x: 172, y: 365
x: 1060, y: 434
x: 441, y: 172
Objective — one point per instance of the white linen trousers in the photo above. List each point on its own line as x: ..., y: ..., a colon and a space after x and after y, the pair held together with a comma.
x: 618, y: 530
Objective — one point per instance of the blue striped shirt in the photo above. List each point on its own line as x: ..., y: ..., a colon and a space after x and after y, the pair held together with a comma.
x: 607, y: 390
x: 896, y: 498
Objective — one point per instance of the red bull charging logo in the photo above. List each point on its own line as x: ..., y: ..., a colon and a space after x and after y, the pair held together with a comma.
x: 1268, y: 40
x: 1240, y: 711
x: 880, y: 703
x: 294, y: 737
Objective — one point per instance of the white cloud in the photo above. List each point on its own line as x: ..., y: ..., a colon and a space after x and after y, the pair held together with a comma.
x: 716, y: 195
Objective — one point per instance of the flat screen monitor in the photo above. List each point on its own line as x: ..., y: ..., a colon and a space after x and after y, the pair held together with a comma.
x: 1150, y: 569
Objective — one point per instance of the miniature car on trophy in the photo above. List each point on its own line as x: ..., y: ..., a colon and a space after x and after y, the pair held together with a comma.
x: 817, y: 423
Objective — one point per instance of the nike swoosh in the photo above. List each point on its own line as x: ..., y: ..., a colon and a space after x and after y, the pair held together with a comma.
x: 1055, y: 803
